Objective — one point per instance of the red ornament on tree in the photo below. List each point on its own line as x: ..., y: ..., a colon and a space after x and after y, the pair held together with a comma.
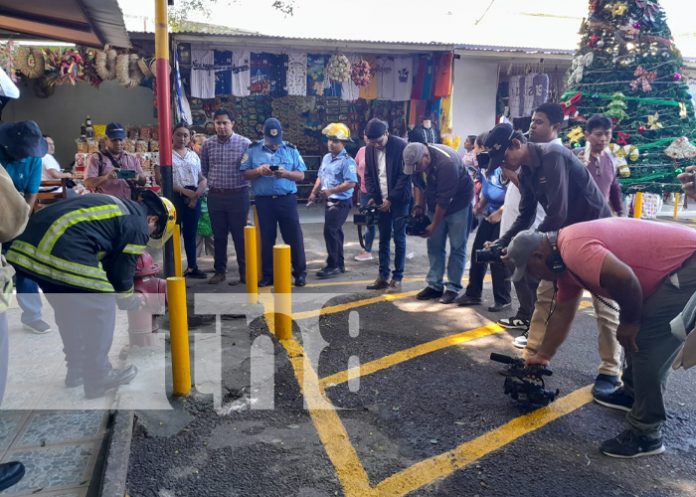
x: 593, y: 41
x: 642, y: 129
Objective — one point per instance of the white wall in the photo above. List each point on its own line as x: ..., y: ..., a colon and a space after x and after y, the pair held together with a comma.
x: 475, y: 88
x: 61, y: 114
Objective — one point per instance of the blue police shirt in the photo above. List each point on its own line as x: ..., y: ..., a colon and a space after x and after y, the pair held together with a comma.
x: 287, y: 156
x: 25, y: 173
x: 337, y: 170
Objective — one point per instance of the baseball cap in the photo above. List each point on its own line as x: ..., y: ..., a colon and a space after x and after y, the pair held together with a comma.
x: 273, y: 131
x: 497, y: 142
x: 521, y: 249
x: 115, y: 131
x: 413, y: 153
x: 23, y: 139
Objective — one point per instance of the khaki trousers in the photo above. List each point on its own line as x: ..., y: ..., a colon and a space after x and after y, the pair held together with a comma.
x: 607, y: 322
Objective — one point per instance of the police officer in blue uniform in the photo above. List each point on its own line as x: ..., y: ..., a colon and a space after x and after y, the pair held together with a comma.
x: 335, y: 183
x: 274, y: 167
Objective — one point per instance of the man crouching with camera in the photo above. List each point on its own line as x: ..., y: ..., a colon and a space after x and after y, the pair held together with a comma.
x: 446, y: 189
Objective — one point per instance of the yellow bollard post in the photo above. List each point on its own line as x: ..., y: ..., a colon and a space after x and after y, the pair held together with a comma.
x: 676, y: 205
x: 282, y: 282
x: 178, y: 335
x: 252, y: 264
x: 638, y: 206
x: 176, y: 241
x: 258, y: 235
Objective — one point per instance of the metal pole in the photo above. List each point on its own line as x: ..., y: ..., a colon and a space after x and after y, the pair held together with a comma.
x: 179, y: 335
x: 638, y: 205
x: 282, y: 281
x: 164, y: 114
x: 252, y: 264
x: 676, y: 205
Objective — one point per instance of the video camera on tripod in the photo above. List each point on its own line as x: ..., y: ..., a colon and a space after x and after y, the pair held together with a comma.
x: 525, y: 384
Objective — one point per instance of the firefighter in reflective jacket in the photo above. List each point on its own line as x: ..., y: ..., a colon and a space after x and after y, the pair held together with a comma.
x: 82, y: 252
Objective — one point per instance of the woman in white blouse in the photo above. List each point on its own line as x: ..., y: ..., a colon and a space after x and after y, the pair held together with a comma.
x: 189, y: 187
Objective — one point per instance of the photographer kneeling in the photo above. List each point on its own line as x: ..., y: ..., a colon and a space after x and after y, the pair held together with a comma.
x: 441, y: 183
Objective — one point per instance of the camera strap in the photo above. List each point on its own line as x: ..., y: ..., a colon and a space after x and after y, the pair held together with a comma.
x: 361, y: 237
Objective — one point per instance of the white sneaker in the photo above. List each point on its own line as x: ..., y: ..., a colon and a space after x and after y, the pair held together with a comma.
x: 521, y: 341
x: 410, y: 255
x: 363, y: 257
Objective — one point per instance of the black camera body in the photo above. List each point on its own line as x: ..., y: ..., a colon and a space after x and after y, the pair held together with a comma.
x: 415, y: 225
x: 490, y: 255
x: 366, y: 216
x: 525, y: 384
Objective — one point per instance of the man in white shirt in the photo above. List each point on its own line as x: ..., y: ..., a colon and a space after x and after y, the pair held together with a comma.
x: 51, y: 168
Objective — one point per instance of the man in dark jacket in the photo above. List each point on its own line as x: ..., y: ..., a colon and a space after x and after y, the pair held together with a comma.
x: 446, y: 189
x: 554, y: 177
x: 390, y: 189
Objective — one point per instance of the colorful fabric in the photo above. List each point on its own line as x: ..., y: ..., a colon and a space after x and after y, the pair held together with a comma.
x: 316, y: 73
x: 370, y: 91
x: 442, y: 86
x: 223, y: 72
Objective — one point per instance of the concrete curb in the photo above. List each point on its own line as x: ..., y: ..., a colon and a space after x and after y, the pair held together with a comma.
x: 116, y: 455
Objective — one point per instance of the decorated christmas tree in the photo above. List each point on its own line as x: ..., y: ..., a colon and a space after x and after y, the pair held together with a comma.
x: 628, y: 68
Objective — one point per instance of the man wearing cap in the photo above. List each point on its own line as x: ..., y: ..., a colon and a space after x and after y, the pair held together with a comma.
x: 389, y: 189
x: 104, y: 170
x: 551, y: 175
x: 228, y: 192
x: 22, y: 147
x: 336, y: 180
x: 624, y: 260
x: 444, y: 187
x: 274, y: 167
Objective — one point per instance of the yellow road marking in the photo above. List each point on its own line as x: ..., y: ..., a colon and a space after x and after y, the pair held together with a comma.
x: 434, y: 468
x: 410, y: 279
x: 408, y: 354
x: 387, y: 297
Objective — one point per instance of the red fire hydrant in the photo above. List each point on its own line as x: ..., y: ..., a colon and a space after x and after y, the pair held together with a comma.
x: 142, y: 324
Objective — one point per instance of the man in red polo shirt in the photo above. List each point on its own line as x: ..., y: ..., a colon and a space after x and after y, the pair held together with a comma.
x: 649, y: 270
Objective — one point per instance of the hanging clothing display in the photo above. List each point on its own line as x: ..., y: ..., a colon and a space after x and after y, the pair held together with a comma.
x: 241, y: 73
x: 370, y: 91
x: 540, y: 82
x: 515, y: 96
x: 443, y: 75
x: 316, y: 73
x: 202, y: 73
x: 223, y: 72
x: 428, y: 78
x: 183, y: 109
x: 403, y: 81
x: 268, y: 74
x: 349, y: 90
x: 385, y: 76
x: 297, y: 74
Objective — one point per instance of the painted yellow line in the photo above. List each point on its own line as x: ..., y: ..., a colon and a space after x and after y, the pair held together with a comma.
x: 387, y: 297
x: 330, y: 429
x: 408, y: 354
x: 410, y: 279
x: 434, y: 468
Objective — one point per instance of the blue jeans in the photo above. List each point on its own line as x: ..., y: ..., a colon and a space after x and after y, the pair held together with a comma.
x: 393, y: 223
x: 28, y: 298
x: 4, y: 353
x: 369, y: 230
x: 187, y: 218
x: 456, y: 228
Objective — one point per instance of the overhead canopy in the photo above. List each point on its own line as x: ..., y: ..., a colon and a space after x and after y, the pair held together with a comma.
x: 84, y: 22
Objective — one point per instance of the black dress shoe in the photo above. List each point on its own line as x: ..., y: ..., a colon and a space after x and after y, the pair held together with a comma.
x: 10, y: 474
x: 428, y: 293
x: 301, y: 281
x: 448, y: 297
x: 499, y: 307
x: 113, y: 379
x: 265, y: 282
x: 74, y: 378
x: 342, y: 268
x: 328, y: 272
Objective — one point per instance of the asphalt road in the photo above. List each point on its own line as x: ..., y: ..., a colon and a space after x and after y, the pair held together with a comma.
x: 429, y: 423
